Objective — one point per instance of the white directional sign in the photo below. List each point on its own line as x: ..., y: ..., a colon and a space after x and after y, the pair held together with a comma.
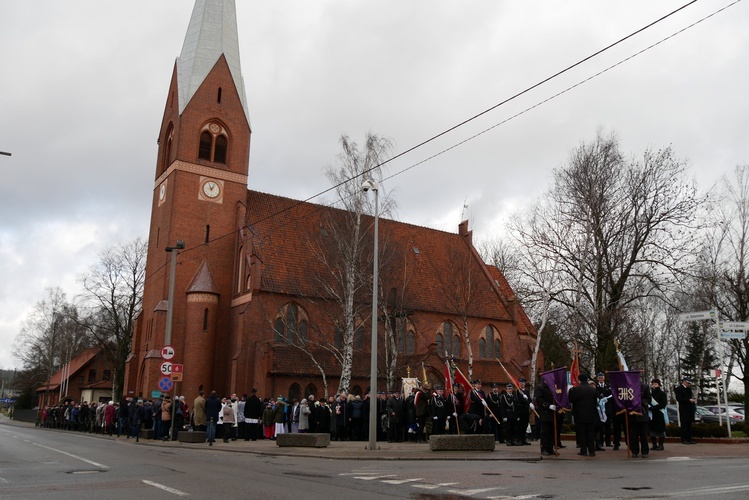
x: 697, y: 315
x: 167, y: 352
x: 734, y: 325
x: 733, y: 335
x: 166, y: 368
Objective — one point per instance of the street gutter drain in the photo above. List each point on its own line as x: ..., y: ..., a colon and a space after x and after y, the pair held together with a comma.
x: 636, y: 488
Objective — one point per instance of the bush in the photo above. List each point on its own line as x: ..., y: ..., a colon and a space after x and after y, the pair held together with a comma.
x: 700, y: 430
x: 709, y: 430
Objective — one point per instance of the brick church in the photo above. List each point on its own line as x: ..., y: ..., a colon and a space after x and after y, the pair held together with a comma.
x: 250, y: 307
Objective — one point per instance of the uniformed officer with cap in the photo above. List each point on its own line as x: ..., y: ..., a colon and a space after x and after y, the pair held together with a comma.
x: 508, y: 410
x: 439, y: 410
x: 524, y: 409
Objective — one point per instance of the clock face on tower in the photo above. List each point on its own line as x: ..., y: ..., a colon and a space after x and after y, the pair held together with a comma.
x: 162, y: 193
x: 211, y: 189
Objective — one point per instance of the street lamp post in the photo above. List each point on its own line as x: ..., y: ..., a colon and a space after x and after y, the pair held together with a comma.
x: 170, y: 311
x: 370, y: 184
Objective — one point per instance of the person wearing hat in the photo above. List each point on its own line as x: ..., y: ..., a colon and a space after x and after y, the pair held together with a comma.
x: 493, y: 400
x: 438, y: 410
x: 478, y: 401
x: 524, y: 411
x: 659, y: 416
x: 584, y: 400
x: 508, y: 413
x: 687, y: 407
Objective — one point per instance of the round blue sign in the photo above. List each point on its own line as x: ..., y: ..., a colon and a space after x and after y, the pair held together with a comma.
x: 165, y: 384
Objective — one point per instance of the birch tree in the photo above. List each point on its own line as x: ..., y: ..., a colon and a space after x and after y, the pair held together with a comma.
x: 343, y: 250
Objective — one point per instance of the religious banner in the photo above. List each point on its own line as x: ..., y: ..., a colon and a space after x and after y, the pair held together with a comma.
x: 626, y: 390
x: 557, y: 382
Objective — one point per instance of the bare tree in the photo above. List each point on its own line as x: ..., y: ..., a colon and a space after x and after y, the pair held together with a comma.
x: 342, y: 251
x: 112, y: 295
x: 726, y: 263
x: 617, y: 231
x: 50, y: 336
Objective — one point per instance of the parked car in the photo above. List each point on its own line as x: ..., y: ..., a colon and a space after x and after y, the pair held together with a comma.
x: 735, y: 416
x: 673, y: 414
x: 707, y: 416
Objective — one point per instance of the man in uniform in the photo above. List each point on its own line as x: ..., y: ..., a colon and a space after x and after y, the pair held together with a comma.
x: 493, y: 399
x: 687, y: 407
x: 508, y: 405
x: 455, y: 407
x: 524, y: 409
x: 438, y: 409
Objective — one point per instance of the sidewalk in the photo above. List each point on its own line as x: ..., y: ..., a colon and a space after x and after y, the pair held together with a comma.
x: 358, y: 450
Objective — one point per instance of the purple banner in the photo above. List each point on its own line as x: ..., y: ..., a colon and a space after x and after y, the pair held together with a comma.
x: 626, y: 390
x: 557, y: 382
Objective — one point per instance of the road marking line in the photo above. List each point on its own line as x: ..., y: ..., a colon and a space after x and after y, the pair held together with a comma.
x: 433, y: 486
x: 95, y: 464
x: 402, y: 481
x: 166, y: 488
x: 476, y: 491
x: 3, y: 480
x: 369, y: 478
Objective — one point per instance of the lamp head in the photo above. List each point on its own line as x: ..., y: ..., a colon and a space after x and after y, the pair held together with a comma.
x: 369, y: 184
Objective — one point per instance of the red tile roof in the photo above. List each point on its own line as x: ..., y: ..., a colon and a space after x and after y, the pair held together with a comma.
x: 426, y: 266
x: 75, y: 365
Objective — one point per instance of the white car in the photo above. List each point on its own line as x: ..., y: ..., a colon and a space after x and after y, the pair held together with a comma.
x: 735, y: 416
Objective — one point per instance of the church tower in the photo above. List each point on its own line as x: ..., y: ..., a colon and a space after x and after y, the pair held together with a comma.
x: 199, y: 192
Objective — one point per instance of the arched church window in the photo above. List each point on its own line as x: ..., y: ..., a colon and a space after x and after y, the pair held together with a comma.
x: 410, y: 342
x: 291, y: 325
x: 482, y: 348
x: 206, y: 144
x: 219, y: 156
x: 440, y: 341
x: 214, y: 143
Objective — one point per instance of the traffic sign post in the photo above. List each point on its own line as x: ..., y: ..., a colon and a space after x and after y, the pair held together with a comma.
x: 732, y: 335
x: 698, y: 315
x: 165, y: 384
x: 167, y: 352
x: 727, y: 330
x: 166, y: 368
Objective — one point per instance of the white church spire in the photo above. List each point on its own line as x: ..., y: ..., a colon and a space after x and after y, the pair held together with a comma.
x: 212, y: 32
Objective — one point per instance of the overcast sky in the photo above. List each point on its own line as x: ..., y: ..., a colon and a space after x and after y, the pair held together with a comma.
x: 83, y: 86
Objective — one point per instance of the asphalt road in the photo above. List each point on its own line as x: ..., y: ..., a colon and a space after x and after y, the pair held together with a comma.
x: 37, y: 463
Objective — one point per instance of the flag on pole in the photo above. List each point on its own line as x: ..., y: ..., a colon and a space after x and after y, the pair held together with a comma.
x: 575, y: 370
x: 448, y: 377
x: 461, y: 380
x: 557, y: 382
x: 626, y: 390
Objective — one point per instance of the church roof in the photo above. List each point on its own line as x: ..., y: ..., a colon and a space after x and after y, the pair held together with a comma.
x: 212, y: 31
x: 425, y: 268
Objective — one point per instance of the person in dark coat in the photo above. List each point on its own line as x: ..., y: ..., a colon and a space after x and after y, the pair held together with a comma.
x: 493, y: 400
x: 455, y: 406
x: 604, y: 392
x: 212, y: 410
x: 638, y: 425
x: 687, y: 408
x: 508, y: 412
x: 438, y: 409
x: 546, y: 408
x: 524, y: 411
x: 253, y: 413
x: 658, y: 417
x: 396, y: 411
x: 323, y: 417
x: 584, y: 400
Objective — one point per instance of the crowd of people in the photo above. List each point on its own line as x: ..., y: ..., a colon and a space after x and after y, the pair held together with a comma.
x: 512, y: 414
x: 600, y: 424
